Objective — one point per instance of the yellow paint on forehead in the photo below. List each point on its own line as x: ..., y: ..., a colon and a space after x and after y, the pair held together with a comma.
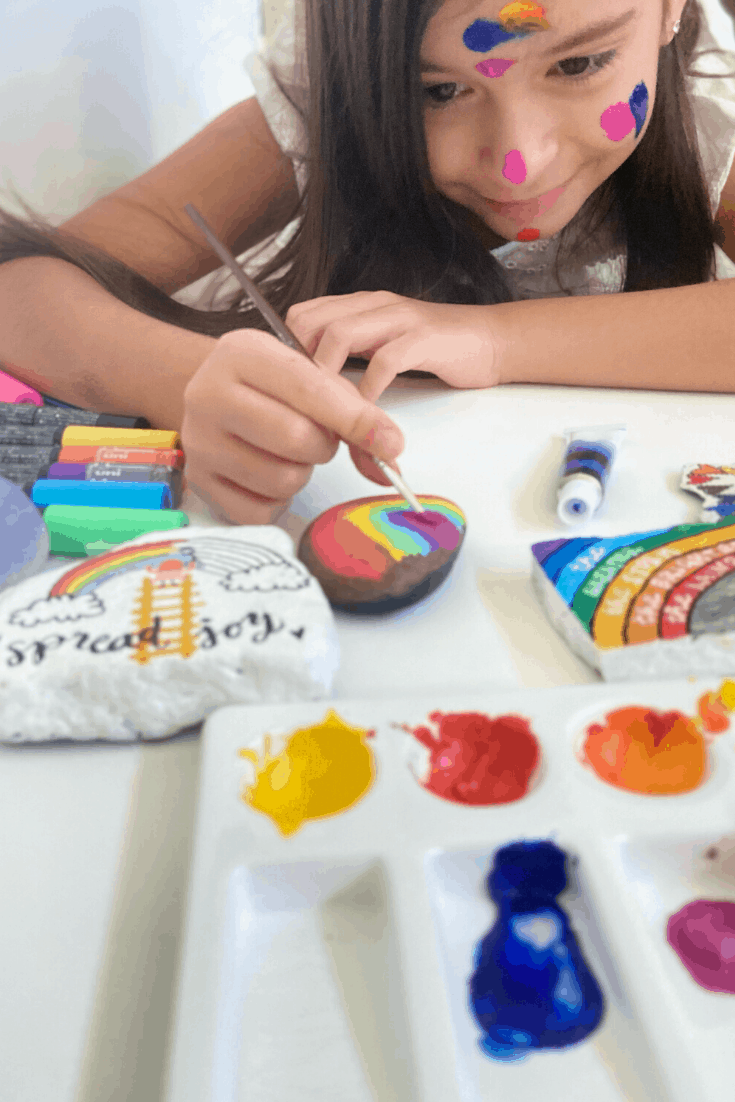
x: 523, y: 15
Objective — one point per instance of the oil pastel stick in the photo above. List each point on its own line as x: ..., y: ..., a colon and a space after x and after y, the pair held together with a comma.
x: 29, y: 454
x: 25, y: 414
x: 32, y: 434
x: 11, y: 390
x: 72, y: 528
x: 131, y: 438
x: 119, y: 472
x: 86, y: 453
x: 23, y: 474
x: 107, y: 495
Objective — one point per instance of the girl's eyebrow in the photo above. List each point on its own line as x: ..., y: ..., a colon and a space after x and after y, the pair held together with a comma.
x: 592, y: 33
x: 581, y: 38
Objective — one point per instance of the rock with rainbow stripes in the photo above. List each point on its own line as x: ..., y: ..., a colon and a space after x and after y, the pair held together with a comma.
x: 376, y: 555
x: 657, y: 604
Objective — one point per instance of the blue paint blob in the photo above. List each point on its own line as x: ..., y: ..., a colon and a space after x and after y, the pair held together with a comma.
x: 484, y: 35
x: 531, y: 988
x: 638, y: 103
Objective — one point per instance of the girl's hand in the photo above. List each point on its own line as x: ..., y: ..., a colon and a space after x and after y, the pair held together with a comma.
x: 398, y: 334
x: 258, y: 416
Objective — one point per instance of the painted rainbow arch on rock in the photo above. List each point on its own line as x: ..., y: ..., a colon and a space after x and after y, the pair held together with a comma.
x: 645, y: 586
x: 363, y: 538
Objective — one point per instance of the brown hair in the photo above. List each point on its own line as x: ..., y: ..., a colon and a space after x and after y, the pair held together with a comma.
x: 370, y: 219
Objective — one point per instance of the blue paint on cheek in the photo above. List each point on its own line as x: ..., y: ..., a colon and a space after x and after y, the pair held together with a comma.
x: 484, y: 35
x: 639, y: 106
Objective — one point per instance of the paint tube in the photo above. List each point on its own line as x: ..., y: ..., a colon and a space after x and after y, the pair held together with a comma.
x: 587, y: 464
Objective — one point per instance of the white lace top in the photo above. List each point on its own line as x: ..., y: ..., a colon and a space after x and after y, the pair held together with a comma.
x: 598, y: 265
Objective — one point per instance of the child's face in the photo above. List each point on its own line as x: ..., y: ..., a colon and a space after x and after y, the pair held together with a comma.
x: 515, y: 115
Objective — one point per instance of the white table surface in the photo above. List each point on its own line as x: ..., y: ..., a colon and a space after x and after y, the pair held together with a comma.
x: 96, y: 840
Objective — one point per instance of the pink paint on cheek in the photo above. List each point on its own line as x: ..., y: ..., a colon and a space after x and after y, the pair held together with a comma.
x: 493, y: 67
x: 618, y: 121
x: 515, y: 167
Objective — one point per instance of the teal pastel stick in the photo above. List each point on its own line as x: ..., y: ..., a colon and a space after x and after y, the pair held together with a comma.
x: 77, y: 530
x: 104, y: 495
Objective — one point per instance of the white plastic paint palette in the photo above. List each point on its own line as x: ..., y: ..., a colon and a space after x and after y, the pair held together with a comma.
x: 332, y: 965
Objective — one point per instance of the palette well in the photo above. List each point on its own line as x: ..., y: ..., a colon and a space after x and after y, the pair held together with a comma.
x: 331, y: 961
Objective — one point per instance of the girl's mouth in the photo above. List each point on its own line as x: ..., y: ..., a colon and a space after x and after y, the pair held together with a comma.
x: 525, y: 211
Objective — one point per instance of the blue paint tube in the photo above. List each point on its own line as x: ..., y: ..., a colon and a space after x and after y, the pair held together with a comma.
x: 587, y: 464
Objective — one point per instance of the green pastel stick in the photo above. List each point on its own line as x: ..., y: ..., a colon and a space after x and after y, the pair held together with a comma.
x: 72, y: 528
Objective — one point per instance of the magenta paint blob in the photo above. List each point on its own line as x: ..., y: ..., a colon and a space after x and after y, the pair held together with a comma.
x: 618, y: 121
x: 515, y: 167
x: 493, y: 66
x: 702, y: 934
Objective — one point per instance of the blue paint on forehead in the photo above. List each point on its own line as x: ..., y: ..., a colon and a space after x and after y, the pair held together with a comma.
x: 639, y: 106
x: 484, y: 35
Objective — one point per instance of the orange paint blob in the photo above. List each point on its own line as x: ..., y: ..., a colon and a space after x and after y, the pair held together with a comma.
x: 321, y: 771
x: 714, y: 708
x: 657, y: 753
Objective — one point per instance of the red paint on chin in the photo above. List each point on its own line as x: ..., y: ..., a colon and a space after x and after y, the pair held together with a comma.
x: 478, y: 760
x: 530, y: 234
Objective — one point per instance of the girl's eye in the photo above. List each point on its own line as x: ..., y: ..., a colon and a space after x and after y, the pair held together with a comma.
x: 573, y: 68
x: 582, y: 68
x: 440, y: 94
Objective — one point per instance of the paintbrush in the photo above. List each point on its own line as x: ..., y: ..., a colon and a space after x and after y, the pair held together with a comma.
x: 284, y: 334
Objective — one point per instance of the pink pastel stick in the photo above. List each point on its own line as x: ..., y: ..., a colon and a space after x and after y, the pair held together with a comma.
x: 515, y: 167
x: 15, y: 392
x: 618, y: 121
x: 493, y: 67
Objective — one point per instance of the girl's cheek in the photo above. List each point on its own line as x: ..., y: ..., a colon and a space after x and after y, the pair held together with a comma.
x: 621, y: 119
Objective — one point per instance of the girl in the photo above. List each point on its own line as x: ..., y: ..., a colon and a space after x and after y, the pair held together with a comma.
x: 489, y: 192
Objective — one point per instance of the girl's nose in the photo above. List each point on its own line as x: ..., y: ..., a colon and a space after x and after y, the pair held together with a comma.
x: 523, y: 149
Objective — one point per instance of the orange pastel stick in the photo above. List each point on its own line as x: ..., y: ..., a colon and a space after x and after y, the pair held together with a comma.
x: 89, y: 453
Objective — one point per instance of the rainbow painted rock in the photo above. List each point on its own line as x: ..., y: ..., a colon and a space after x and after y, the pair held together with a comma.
x: 649, y: 604
x: 375, y: 554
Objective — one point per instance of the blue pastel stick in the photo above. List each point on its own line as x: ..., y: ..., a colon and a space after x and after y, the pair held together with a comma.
x: 106, y: 495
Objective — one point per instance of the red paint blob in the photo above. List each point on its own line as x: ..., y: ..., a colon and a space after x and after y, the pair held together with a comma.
x: 478, y: 760
x: 702, y: 934
x: 530, y: 234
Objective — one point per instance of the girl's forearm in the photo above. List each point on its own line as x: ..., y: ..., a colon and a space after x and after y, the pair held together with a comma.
x: 63, y: 334
x: 680, y: 338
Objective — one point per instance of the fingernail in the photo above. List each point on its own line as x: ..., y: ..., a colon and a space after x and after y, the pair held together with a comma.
x: 385, y: 441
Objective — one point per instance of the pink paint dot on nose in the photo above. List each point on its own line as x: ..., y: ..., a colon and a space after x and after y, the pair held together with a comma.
x: 494, y: 67
x: 618, y: 121
x: 515, y: 167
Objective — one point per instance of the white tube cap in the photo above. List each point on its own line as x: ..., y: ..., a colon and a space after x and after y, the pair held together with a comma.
x: 579, y: 498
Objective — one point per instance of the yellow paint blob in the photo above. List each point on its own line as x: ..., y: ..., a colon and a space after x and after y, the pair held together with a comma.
x: 523, y: 15
x: 321, y: 771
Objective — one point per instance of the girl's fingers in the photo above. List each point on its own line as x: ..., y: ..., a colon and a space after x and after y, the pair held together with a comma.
x: 229, y: 502
x: 254, y: 471
x: 368, y: 468
x: 309, y: 319
x: 329, y: 400
x: 277, y: 429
